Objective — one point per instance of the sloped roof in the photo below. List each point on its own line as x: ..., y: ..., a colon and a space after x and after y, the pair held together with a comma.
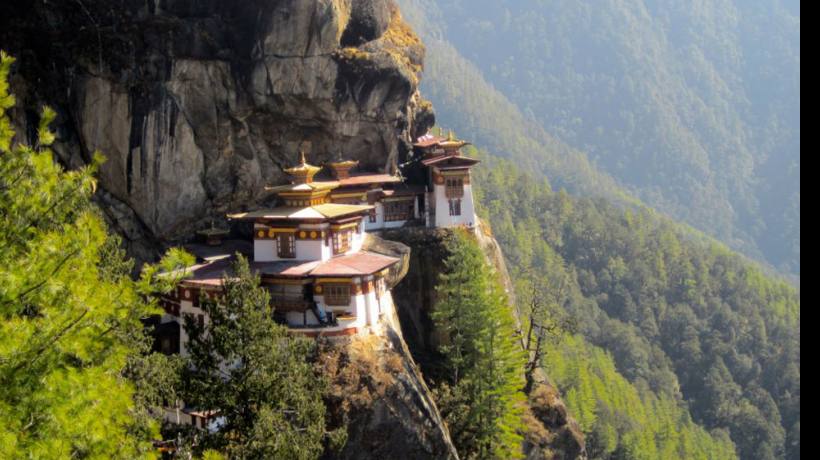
x: 320, y: 211
x: 313, y: 186
x: 211, y: 273
x: 450, y: 160
x: 360, y: 263
x: 364, y: 179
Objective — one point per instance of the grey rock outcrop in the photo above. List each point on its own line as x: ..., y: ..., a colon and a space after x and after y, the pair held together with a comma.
x: 197, y: 105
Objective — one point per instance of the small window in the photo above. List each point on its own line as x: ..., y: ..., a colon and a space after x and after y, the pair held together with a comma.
x: 455, y: 188
x: 455, y: 207
x: 341, y: 241
x: 286, y: 243
x: 337, y: 294
x: 372, y: 215
x: 398, y: 210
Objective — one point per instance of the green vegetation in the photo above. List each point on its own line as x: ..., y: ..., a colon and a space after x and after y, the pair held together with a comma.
x: 481, y: 396
x: 686, y: 323
x: 694, y: 110
x: 623, y: 420
x: 257, y: 378
x: 70, y: 328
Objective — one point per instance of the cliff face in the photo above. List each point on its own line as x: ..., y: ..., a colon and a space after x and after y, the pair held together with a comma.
x: 198, y: 105
x: 378, y: 392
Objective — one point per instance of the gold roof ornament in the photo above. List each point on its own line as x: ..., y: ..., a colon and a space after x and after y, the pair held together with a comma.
x: 341, y: 168
x: 451, y: 145
x: 304, y: 172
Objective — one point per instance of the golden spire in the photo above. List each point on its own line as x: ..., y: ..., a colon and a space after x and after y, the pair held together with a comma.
x: 451, y: 145
x: 304, y: 172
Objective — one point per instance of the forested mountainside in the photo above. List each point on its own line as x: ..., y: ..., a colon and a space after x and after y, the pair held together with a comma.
x: 696, y: 110
x: 668, y: 327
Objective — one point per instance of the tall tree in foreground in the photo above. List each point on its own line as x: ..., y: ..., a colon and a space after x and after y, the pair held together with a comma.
x: 69, y: 317
x: 482, y: 397
x: 256, y: 378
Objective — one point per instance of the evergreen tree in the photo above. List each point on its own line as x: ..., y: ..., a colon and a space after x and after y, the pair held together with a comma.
x: 254, y: 376
x: 69, y: 312
x: 483, y: 394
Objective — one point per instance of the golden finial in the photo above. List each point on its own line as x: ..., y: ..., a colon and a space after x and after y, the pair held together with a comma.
x: 451, y: 137
x: 304, y: 172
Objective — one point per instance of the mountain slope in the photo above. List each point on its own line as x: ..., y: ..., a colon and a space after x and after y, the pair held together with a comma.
x: 687, y: 322
x: 695, y: 110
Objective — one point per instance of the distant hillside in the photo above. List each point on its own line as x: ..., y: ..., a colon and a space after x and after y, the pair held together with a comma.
x: 696, y: 112
x: 671, y: 327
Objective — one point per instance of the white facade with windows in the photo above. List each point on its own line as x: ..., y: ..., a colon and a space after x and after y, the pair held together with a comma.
x: 454, y: 211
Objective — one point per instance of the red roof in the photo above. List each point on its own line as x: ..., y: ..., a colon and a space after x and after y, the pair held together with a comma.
x: 450, y: 160
x: 210, y: 274
x: 361, y: 263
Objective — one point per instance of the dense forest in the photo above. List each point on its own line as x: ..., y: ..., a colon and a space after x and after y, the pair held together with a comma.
x: 695, y: 111
x: 688, y: 326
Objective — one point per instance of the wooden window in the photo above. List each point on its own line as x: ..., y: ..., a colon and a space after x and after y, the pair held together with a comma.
x: 455, y: 187
x: 398, y: 210
x: 372, y: 215
x: 341, y: 241
x: 337, y: 294
x: 455, y: 207
x: 286, y: 243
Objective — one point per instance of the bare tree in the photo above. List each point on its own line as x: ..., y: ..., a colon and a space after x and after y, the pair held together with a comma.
x: 547, y: 322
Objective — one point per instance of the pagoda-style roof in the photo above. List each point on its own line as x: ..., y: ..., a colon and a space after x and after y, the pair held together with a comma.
x: 213, y: 271
x: 450, y: 161
x: 303, y: 173
x: 319, y: 212
x: 451, y: 144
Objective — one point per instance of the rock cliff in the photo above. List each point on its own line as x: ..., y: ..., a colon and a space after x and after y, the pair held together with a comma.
x: 198, y: 105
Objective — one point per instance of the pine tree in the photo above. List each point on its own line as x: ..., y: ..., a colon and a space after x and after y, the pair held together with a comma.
x: 483, y: 396
x: 256, y: 378
x: 69, y: 317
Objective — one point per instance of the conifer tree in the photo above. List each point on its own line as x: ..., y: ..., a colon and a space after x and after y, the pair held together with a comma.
x: 69, y: 317
x: 254, y: 376
x: 483, y: 395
